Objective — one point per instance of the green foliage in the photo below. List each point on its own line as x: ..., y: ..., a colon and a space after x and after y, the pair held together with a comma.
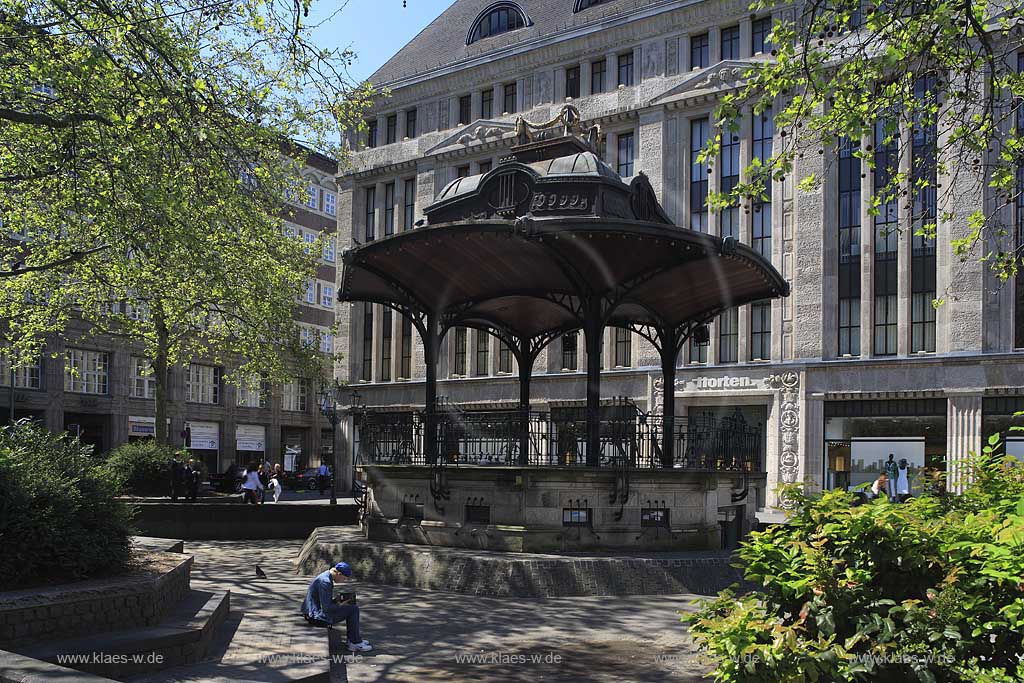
x: 59, y: 519
x: 141, y: 468
x: 838, y: 68
x: 928, y: 590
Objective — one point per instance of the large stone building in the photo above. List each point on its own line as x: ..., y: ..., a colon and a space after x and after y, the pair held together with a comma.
x: 109, y: 399
x: 854, y: 365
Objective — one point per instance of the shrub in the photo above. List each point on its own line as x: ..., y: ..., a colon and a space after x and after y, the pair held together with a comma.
x: 59, y: 519
x: 142, y: 468
x: 928, y: 590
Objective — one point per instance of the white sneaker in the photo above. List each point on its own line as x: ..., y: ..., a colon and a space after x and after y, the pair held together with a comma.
x: 360, y: 647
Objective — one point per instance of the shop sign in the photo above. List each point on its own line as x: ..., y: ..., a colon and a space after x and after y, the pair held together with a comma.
x: 250, y: 437
x: 202, y: 435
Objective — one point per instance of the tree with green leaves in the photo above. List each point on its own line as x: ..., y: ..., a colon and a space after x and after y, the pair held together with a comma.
x: 145, y: 157
x: 889, y: 76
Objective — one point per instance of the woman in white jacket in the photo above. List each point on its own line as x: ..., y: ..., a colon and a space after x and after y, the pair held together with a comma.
x: 252, y: 483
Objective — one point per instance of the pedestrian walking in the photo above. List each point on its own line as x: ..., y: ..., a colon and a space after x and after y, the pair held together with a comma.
x: 252, y: 484
x: 265, y: 480
x: 322, y: 476
x: 277, y: 481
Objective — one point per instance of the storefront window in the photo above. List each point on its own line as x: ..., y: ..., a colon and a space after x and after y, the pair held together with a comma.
x: 999, y: 416
x: 861, y: 435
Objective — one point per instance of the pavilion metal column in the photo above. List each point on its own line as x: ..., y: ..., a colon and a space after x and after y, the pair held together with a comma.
x: 525, y: 360
x: 668, y: 414
x: 593, y: 332
x: 431, y: 341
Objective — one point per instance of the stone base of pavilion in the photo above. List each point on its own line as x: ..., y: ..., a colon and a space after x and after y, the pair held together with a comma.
x: 559, y: 509
x: 499, y: 574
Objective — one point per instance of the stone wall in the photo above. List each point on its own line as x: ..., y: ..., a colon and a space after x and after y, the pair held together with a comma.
x: 234, y: 521
x: 140, y: 598
x: 498, y: 574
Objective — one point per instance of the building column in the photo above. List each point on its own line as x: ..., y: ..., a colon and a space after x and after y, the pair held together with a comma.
x: 867, y: 260
x: 499, y: 100
x: 714, y: 45
x: 745, y: 233
x: 559, y: 85
x: 520, y: 95
x: 611, y: 71
x: 638, y: 65
x: 684, y: 53
x: 378, y: 211
x: 400, y: 135
x: 584, y: 78
x: 476, y: 105
x: 904, y: 243
x: 745, y: 40
x: 963, y: 435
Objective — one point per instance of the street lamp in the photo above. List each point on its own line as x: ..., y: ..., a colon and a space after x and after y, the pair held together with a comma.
x: 330, y: 397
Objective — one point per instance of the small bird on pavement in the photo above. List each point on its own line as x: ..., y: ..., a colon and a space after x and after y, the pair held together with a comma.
x: 259, y: 572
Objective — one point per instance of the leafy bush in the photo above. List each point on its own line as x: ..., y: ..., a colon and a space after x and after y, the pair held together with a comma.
x: 59, y: 519
x: 928, y: 590
x: 142, y: 468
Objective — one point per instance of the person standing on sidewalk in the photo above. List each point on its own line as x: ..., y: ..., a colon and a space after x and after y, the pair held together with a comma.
x: 177, y: 477
x: 322, y: 475
x: 193, y: 473
x: 252, y: 483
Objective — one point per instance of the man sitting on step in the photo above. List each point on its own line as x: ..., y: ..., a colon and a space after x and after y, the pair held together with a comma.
x: 322, y: 609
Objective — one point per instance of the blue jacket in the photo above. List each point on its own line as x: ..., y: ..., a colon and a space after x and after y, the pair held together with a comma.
x: 319, y: 596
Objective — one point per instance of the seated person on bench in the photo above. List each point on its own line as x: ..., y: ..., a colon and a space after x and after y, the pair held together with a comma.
x: 322, y: 609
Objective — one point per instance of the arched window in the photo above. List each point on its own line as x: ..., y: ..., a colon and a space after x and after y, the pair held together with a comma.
x: 581, y: 5
x: 499, y: 18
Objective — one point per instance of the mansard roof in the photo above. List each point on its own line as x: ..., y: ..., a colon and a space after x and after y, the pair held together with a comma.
x: 443, y: 41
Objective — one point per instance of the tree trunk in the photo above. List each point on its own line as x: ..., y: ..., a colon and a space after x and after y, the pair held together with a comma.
x: 160, y: 374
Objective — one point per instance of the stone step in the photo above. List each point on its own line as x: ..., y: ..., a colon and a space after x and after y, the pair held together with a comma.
x: 183, y: 636
x: 257, y: 647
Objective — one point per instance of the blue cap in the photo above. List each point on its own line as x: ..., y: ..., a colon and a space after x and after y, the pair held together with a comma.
x: 344, y: 568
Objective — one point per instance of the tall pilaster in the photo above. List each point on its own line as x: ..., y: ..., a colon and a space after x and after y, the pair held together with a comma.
x: 963, y: 435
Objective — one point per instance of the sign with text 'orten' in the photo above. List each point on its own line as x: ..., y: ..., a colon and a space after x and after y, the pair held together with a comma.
x: 724, y: 382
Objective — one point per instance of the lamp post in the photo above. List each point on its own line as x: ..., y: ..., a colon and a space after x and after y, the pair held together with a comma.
x: 330, y: 395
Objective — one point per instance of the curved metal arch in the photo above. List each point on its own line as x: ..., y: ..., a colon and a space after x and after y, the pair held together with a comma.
x: 490, y: 8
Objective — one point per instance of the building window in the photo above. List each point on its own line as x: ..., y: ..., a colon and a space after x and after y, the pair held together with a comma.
x: 623, y: 348
x: 462, y: 171
x: 310, y: 292
x: 700, y: 51
x: 728, y: 336
x: 327, y: 296
x: 886, y: 236
x: 699, y: 350
x: 326, y: 341
x: 26, y: 377
x: 572, y: 82
x: 410, y: 203
x: 478, y: 514
x: 729, y: 221
x: 367, y: 368
x: 389, y: 209
x: 510, y: 98
x: 410, y: 123
x: 597, y: 73
x: 698, y: 176
x: 143, y: 382
x: 465, y: 109
x: 330, y: 203
x: 625, y: 155
x: 371, y: 212
x: 485, y: 167
x: 761, y: 236
x: 731, y: 42
x: 371, y: 133
x: 294, y: 395
x: 761, y: 330
x: 570, y: 351
x: 849, y: 249
x: 501, y: 19
x: 202, y: 384
x: 759, y: 30
x: 86, y: 372
x: 504, y: 357
x: 487, y: 103
x: 654, y: 517
x: 252, y: 395
x: 459, y: 360
x: 1019, y: 278
x: 308, y: 240
x: 626, y: 69
x: 385, y: 345
x: 328, y: 252
x: 313, y: 197
x: 575, y: 516
x: 405, y: 361
x: 483, y: 347
x: 391, y: 132
x: 923, y: 216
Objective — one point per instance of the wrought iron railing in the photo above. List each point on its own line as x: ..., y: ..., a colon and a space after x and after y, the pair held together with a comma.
x: 628, y: 438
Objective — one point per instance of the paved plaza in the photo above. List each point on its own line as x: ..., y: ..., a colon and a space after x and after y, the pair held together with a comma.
x: 431, y: 636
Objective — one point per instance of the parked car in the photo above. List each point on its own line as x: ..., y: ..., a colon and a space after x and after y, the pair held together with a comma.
x: 230, y: 481
x: 303, y: 479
